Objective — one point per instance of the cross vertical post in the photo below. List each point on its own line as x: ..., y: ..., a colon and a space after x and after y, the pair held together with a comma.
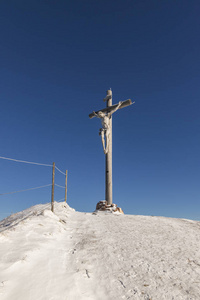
x: 108, y: 158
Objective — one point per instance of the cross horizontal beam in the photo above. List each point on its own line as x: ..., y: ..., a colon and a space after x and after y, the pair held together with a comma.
x: 110, y: 108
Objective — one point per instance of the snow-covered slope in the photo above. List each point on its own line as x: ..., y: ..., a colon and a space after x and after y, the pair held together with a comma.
x: 71, y: 255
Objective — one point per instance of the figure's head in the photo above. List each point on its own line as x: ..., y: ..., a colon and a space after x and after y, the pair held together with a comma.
x: 101, y: 114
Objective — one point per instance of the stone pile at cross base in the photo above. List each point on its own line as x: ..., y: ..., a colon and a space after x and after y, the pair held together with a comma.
x: 104, y: 206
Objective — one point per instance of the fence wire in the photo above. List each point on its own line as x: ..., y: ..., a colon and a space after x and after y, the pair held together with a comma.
x: 30, y: 162
x: 60, y: 171
x: 38, y: 187
x: 26, y: 162
x: 63, y: 187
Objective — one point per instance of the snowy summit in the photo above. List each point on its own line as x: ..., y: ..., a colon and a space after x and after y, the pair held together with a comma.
x: 68, y: 255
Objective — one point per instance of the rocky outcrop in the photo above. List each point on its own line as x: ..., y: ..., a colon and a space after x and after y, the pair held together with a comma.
x: 103, y: 206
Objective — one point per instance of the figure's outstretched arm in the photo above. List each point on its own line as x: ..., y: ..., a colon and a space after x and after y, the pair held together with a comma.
x: 114, y: 110
x: 95, y: 114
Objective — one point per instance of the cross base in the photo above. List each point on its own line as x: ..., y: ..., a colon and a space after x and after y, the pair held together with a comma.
x: 113, y: 208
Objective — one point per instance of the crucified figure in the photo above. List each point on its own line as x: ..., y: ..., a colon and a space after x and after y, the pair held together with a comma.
x: 105, y: 130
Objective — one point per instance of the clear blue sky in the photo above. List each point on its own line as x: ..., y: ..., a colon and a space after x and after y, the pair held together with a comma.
x: 57, y: 60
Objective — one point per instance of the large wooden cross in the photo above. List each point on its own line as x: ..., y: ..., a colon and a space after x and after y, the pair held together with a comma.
x: 105, y: 115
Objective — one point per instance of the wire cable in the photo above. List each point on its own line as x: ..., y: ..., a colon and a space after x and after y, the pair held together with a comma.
x: 60, y: 171
x: 38, y: 187
x: 27, y: 162
x: 63, y: 187
x: 59, y: 200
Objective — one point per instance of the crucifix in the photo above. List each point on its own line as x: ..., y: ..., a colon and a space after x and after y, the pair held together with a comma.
x: 105, y: 132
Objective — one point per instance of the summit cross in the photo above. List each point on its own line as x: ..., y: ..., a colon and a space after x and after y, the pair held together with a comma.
x: 105, y: 132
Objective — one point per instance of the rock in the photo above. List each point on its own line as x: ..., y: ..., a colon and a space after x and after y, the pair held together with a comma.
x: 113, y: 208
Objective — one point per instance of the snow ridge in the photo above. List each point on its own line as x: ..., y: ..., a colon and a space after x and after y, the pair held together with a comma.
x: 71, y: 255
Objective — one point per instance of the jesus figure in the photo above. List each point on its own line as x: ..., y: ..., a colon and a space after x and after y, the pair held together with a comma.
x: 105, y: 130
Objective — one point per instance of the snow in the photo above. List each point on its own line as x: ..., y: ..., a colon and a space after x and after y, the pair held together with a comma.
x: 69, y: 255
